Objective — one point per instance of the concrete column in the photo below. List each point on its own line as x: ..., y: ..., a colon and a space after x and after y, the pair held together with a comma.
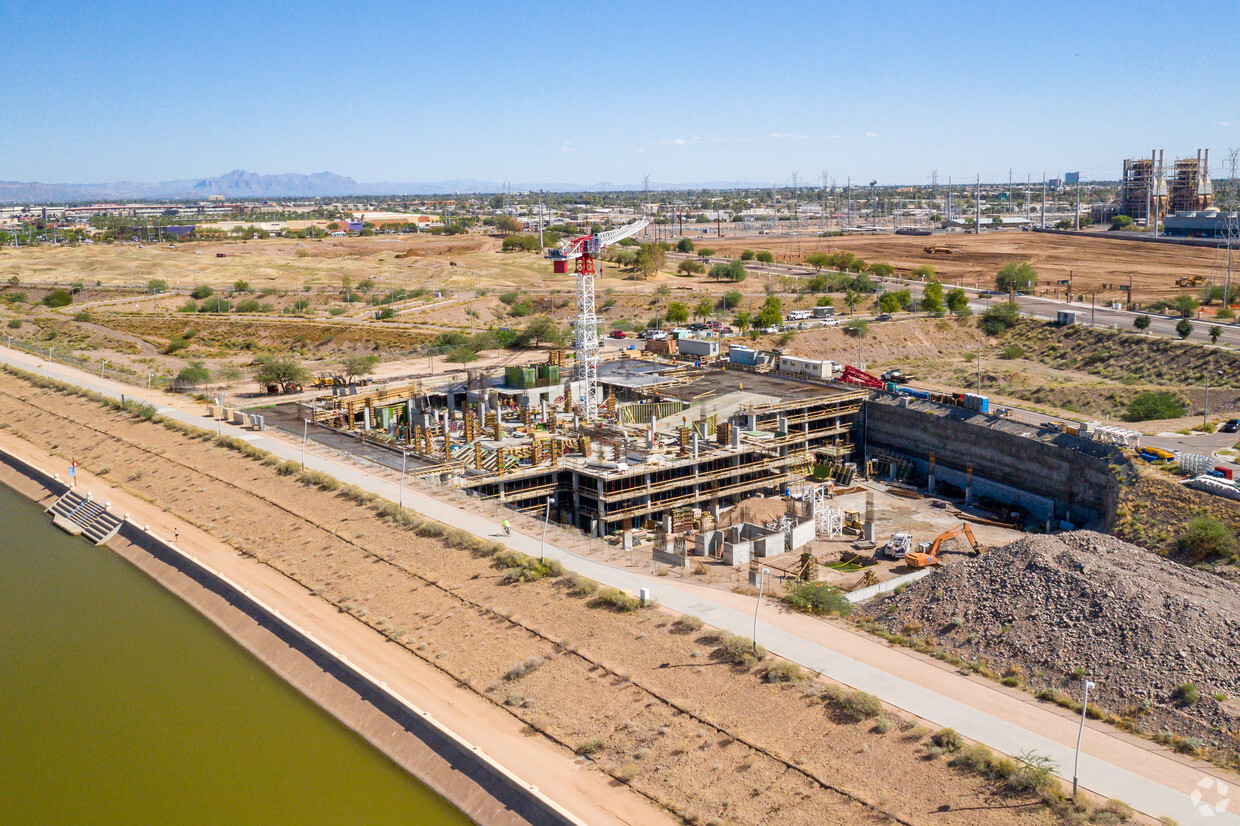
x: 968, y: 484
x: 366, y: 418
x: 930, y: 484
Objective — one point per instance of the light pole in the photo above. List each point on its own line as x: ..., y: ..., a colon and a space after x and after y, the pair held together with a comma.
x: 47, y: 371
x: 147, y: 400
x: 403, y: 456
x: 543, y: 544
x: 757, y: 605
x: 1077, y: 762
x: 105, y: 364
x: 979, y: 369
x: 305, y: 429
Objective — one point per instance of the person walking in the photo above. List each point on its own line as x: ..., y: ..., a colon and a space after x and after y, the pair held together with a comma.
x: 507, y: 528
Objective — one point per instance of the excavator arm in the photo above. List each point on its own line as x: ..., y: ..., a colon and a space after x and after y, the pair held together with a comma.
x: 918, y: 559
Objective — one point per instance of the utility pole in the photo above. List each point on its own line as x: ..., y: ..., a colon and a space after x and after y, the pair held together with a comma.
x: 1043, y: 200
x: 848, y: 200
x: 1076, y: 219
x: 1009, y: 191
x: 977, y: 204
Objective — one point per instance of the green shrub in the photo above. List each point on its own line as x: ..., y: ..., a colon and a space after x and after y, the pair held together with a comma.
x: 250, y: 305
x: 519, y: 567
x: 15, y: 323
x: 1150, y: 405
x: 288, y: 468
x: 58, y: 298
x: 1034, y: 773
x: 1206, y: 538
x: 1012, y: 351
x: 1187, y: 694
x: 202, y: 291
x: 817, y: 598
x: 998, y: 318
x: 882, y: 725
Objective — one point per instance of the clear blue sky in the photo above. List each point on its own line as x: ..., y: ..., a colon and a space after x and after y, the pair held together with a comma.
x: 588, y: 92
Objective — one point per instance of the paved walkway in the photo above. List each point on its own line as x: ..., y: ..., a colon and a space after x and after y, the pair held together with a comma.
x: 1113, y: 765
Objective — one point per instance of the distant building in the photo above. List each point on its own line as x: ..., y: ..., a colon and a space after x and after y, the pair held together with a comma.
x: 1204, y: 223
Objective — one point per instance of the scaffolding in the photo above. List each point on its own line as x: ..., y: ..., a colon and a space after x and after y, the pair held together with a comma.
x: 1191, y: 188
x: 1143, y: 193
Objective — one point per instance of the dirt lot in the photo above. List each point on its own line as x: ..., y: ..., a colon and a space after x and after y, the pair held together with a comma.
x: 652, y: 702
x: 1091, y: 263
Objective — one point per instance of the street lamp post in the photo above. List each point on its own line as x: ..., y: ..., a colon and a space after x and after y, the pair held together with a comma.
x: 147, y: 400
x: 543, y: 543
x: 1077, y: 762
x: 305, y: 429
x: 403, y: 456
x: 757, y: 605
x: 979, y: 369
x: 104, y: 364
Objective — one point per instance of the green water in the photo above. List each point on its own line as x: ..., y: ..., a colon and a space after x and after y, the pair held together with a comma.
x: 120, y: 704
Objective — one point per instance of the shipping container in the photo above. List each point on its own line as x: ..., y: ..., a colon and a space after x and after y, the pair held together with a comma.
x: 698, y: 347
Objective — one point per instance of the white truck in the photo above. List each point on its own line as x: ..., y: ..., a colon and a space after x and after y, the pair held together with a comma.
x: 898, y: 545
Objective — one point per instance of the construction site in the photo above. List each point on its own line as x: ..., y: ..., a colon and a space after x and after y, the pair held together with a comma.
x: 1149, y: 191
x: 732, y: 456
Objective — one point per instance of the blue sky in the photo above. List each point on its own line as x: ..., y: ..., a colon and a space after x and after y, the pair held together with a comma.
x: 591, y: 92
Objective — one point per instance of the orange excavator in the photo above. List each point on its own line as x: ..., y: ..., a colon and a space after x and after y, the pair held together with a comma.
x: 924, y: 559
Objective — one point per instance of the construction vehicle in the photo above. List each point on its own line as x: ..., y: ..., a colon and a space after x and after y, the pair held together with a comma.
x: 1190, y: 281
x: 941, y: 250
x: 899, y: 546
x: 897, y: 376
x: 853, y: 375
x: 930, y: 556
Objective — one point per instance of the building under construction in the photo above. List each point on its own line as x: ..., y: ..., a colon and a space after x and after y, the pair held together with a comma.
x: 1148, y: 191
x: 1190, y: 187
x: 1142, y: 189
x: 669, y: 439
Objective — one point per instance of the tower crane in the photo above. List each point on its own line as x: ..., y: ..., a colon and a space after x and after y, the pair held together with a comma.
x: 582, y: 250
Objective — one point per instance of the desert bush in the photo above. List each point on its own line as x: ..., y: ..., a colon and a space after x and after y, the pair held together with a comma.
x: 783, y: 672
x: 519, y: 567
x: 581, y: 586
x: 616, y: 600
x: 1149, y: 405
x: 318, y: 479
x: 287, y: 468
x: 947, y: 739
x: 527, y: 666
x: 1034, y: 773
x: 627, y: 773
x: 739, y: 651
x: 686, y: 624
x: 355, y: 494
x: 882, y: 725
x: 858, y: 705
x: 592, y: 746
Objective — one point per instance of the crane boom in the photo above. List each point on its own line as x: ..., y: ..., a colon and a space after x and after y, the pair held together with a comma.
x: 573, y: 248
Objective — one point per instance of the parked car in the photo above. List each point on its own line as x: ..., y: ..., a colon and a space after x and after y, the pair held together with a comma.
x: 618, y: 334
x: 883, y: 317
x: 1230, y: 426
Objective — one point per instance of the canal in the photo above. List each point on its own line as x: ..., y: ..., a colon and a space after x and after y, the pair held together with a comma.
x: 121, y: 704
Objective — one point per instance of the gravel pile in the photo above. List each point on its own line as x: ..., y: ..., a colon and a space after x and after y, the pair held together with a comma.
x: 1139, y: 625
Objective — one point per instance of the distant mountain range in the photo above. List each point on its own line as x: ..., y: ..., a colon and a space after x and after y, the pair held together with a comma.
x: 242, y: 184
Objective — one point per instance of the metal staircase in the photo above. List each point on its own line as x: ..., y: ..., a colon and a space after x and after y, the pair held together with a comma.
x: 83, y: 516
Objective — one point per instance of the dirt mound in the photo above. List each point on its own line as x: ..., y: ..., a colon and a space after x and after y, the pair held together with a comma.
x: 1079, y: 603
x: 756, y: 510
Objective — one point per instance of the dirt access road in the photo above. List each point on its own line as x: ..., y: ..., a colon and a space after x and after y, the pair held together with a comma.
x: 1149, y: 777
